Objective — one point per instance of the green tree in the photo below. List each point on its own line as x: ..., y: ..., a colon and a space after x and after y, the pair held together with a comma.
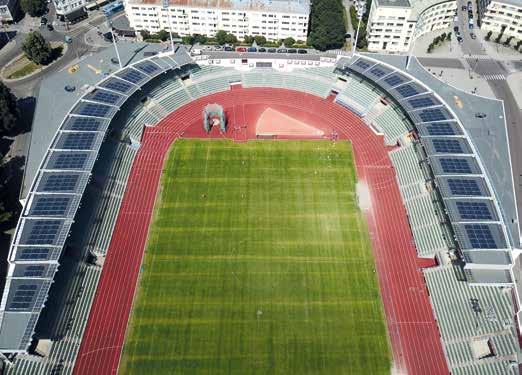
x: 449, y: 36
x: 327, y: 24
x: 145, y: 34
x: 231, y: 39
x: 518, y: 45
x: 443, y: 36
x: 36, y: 48
x: 221, y: 36
x: 508, y: 41
x: 188, y: 39
x: 163, y: 35
x: 289, y: 42
x: 34, y: 8
x: 488, y: 35
x: 9, y: 112
x: 260, y: 40
x: 201, y: 39
x: 248, y: 39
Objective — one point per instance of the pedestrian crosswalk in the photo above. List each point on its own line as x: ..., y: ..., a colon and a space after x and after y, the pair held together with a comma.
x: 479, y: 57
x: 494, y: 77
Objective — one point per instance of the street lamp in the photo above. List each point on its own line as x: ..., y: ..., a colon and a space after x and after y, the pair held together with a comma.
x: 359, y: 16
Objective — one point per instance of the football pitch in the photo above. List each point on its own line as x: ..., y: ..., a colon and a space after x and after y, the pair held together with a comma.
x: 258, y: 262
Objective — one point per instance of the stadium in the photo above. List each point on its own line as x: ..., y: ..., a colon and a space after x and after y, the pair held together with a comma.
x: 262, y: 213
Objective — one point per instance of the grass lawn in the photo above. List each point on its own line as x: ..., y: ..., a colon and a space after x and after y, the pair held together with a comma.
x: 258, y: 262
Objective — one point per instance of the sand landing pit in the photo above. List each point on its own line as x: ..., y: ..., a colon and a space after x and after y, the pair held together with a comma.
x: 274, y: 123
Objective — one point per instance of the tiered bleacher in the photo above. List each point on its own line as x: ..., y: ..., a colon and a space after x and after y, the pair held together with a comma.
x: 392, y: 123
x: 359, y: 96
x: 476, y: 323
x: 424, y: 223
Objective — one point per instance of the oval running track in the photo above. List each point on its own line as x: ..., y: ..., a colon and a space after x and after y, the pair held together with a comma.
x: 413, y: 332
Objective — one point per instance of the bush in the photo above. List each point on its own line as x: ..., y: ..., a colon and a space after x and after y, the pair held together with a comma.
x: 289, y: 42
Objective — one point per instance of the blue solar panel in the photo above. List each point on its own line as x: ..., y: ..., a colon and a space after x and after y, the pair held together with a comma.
x: 394, y: 80
x: 426, y: 101
x: 474, y: 210
x: 449, y: 146
x: 435, y: 114
x: 44, y: 232
x: 78, y: 141
x: 33, y: 253
x: 455, y: 166
x: 50, y: 206
x: 70, y: 161
x: 117, y: 85
x: 131, y: 75
x: 378, y: 71
x: 23, y: 296
x: 363, y: 64
x: 34, y: 271
x: 440, y: 128
x: 91, y: 109
x: 84, y: 123
x: 480, y: 236
x: 60, y: 182
x: 407, y: 90
x: 464, y: 187
x: 105, y: 97
x: 147, y: 67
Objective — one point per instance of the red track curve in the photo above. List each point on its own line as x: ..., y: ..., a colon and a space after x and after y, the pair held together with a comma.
x: 413, y: 332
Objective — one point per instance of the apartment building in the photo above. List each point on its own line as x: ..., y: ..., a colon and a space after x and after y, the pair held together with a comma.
x: 394, y: 24
x: 505, y: 14
x: 273, y: 19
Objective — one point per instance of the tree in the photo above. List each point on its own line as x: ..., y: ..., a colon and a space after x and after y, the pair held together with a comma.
x: 449, y: 36
x: 508, y: 41
x: 488, y: 35
x: 289, y: 42
x: 201, y: 39
x: 162, y: 35
x: 145, y: 34
x: 327, y: 24
x: 248, y: 39
x: 9, y: 112
x: 221, y: 36
x: 34, y: 8
x: 36, y: 48
x: 260, y: 40
x: 443, y: 36
x: 519, y: 44
x: 231, y: 39
x: 188, y: 39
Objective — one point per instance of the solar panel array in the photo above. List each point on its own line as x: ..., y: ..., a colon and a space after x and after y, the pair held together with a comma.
x: 59, y: 185
x: 458, y: 175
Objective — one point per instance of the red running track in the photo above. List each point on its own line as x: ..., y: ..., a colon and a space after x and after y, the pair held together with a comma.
x: 413, y: 332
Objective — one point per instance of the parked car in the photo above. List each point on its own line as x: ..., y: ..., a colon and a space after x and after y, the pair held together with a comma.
x: 282, y: 50
x: 272, y: 50
x: 470, y: 7
x: 218, y: 48
x: 292, y: 50
x: 252, y: 49
x: 456, y: 29
x: 228, y: 49
x: 43, y: 21
x: 459, y: 39
x: 302, y: 51
x: 241, y: 49
x: 50, y: 27
x: 464, y: 8
x: 261, y: 49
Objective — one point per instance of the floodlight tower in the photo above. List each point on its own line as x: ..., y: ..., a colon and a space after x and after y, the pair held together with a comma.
x: 359, y: 16
x: 165, y: 5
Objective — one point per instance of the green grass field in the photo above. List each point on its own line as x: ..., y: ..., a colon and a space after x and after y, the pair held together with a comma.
x: 258, y: 262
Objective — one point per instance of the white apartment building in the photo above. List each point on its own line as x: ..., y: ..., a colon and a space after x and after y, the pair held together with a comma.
x: 273, y: 19
x: 394, y: 24
x: 506, y: 13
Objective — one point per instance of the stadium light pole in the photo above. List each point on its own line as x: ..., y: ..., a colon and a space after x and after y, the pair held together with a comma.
x: 166, y: 9
x: 359, y: 16
x: 412, y: 43
x: 114, y: 43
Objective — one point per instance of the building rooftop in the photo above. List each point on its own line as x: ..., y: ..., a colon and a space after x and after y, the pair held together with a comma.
x: 394, y: 3
x: 288, y: 6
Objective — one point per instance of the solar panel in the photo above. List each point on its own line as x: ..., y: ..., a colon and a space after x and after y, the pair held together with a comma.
x: 363, y: 64
x: 91, y: 109
x: 426, y: 101
x: 50, y: 206
x: 33, y: 253
x: 43, y: 232
x: 407, y: 90
x: 131, y: 75
x: 464, y: 187
x: 440, y: 128
x: 455, y: 166
x: 60, y: 182
x: 34, y: 271
x: 434, y: 114
x: 117, y: 85
x: 480, y: 236
x: 83, y: 123
x: 474, y: 210
x: 147, y: 67
x: 449, y: 146
x: 23, y: 296
x: 77, y: 141
x: 378, y: 71
x: 394, y: 80
x: 70, y: 161
x: 105, y: 97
